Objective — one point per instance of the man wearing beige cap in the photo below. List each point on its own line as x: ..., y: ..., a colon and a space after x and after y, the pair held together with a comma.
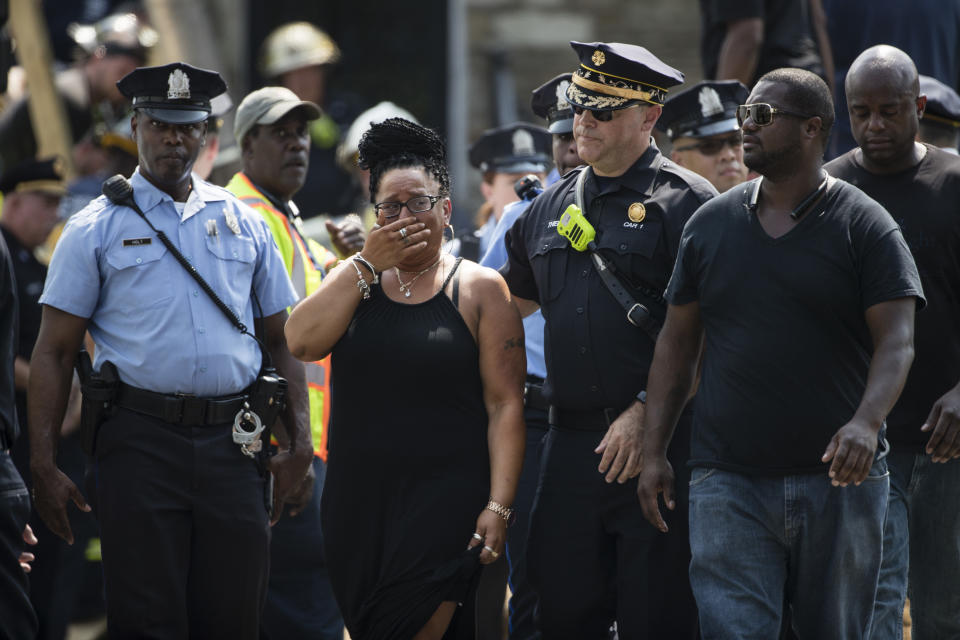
x: 272, y: 130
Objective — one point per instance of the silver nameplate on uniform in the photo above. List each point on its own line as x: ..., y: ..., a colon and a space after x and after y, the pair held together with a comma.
x: 136, y: 242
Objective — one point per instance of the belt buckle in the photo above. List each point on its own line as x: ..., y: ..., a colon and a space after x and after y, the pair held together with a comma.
x: 636, y: 307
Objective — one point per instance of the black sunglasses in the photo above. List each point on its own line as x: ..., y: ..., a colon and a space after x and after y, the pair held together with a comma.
x: 762, y: 113
x: 715, y: 145
x: 600, y: 116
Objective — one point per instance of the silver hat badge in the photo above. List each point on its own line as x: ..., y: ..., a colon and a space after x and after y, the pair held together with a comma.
x: 523, y: 143
x: 562, y: 96
x: 710, y: 104
x: 178, y: 85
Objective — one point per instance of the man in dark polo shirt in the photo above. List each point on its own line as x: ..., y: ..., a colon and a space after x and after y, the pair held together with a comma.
x: 803, y: 292
x: 919, y: 185
x: 592, y: 559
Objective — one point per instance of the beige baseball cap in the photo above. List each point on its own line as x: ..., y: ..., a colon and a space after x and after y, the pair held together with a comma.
x: 266, y: 106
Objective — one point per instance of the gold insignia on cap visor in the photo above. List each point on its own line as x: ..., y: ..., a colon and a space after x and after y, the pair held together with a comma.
x: 178, y: 85
x: 637, y: 212
x: 611, y: 85
x: 598, y: 57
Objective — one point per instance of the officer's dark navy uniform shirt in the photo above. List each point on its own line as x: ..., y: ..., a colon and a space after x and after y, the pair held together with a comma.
x: 595, y: 358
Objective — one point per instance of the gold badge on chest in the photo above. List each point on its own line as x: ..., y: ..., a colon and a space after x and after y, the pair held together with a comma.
x: 636, y: 212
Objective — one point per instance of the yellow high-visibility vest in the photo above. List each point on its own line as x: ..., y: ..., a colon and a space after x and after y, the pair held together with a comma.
x: 306, y: 261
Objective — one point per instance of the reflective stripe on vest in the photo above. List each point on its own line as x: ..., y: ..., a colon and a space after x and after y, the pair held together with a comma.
x: 305, y: 278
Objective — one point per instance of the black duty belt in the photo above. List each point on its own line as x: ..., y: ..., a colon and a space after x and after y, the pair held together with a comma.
x: 179, y: 408
x: 588, y: 420
x: 533, y: 397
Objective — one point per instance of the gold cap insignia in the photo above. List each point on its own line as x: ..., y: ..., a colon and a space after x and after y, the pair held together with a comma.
x: 636, y: 212
x: 598, y: 57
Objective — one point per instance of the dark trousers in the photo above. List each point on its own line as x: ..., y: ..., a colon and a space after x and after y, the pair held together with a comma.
x: 57, y: 575
x: 300, y: 602
x: 184, y: 529
x: 17, y: 619
x: 524, y: 610
x: 594, y: 559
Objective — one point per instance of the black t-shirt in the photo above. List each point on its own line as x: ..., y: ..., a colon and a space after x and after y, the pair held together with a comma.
x: 8, y: 341
x: 787, y: 35
x: 595, y: 358
x: 925, y: 202
x: 787, y: 343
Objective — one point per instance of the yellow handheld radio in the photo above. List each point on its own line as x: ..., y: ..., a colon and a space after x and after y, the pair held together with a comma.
x: 575, y: 227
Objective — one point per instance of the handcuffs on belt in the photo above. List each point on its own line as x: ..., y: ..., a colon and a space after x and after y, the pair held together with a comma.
x: 260, y: 410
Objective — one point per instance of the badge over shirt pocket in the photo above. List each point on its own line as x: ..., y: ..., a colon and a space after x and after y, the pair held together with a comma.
x: 231, y: 270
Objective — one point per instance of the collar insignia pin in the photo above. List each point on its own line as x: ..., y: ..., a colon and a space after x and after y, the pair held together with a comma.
x: 636, y: 212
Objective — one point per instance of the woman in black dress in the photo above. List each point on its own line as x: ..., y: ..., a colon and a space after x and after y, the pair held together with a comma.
x: 426, y: 430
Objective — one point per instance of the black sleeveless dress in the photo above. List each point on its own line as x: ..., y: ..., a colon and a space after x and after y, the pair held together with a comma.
x: 408, y: 468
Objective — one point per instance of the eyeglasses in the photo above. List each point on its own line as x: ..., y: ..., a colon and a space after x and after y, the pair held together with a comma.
x: 417, y: 204
x: 714, y: 146
x: 601, y: 116
x: 762, y: 113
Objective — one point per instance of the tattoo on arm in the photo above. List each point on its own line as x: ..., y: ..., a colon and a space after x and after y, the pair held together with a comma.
x: 512, y: 343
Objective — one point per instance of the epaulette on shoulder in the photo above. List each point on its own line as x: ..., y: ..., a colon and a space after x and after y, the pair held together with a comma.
x: 700, y: 186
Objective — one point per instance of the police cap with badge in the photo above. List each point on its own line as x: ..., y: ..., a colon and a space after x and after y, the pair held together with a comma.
x: 706, y: 109
x: 175, y: 93
x: 549, y: 101
x: 615, y: 76
x: 513, y: 148
x: 943, y: 104
x: 43, y: 176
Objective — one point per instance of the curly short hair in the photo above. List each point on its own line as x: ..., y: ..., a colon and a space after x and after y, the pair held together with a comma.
x: 399, y: 144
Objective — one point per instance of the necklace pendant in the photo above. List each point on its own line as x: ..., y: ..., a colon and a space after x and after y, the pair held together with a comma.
x: 406, y: 293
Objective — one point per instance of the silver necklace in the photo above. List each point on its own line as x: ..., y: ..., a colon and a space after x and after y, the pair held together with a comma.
x: 406, y: 286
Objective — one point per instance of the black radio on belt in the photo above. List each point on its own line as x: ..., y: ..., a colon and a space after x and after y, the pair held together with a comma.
x: 268, y: 395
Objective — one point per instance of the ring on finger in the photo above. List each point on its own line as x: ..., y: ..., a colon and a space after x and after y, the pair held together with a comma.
x: 477, y: 536
x: 403, y: 233
x: 492, y: 552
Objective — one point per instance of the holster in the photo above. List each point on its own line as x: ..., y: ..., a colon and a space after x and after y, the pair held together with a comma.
x: 98, y: 390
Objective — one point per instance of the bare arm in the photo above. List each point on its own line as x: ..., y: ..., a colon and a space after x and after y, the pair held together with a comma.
x: 502, y: 370
x: 318, y: 322
x: 818, y: 18
x: 21, y: 373
x: 290, y: 466
x: 853, y: 447
x: 525, y: 307
x: 672, y: 377
x: 740, y: 51
x: 51, y: 375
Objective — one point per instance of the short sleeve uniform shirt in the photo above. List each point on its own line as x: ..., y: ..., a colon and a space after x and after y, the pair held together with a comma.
x: 595, y: 358
x: 147, y: 315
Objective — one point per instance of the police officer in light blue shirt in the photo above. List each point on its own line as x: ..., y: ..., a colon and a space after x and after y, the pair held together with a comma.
x: 183, y: 512
x: 549, y: 102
